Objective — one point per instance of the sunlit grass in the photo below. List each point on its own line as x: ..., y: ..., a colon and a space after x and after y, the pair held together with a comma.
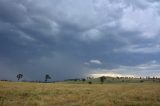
x: 48, y: 94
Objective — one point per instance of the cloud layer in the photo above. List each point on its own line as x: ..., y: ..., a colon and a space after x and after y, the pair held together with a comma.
x: 59, y: 37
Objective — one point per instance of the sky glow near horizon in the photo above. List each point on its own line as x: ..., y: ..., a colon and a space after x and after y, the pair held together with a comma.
x: 77, y: 38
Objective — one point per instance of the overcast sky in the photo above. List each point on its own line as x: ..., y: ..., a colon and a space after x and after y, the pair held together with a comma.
x: 79, y: 38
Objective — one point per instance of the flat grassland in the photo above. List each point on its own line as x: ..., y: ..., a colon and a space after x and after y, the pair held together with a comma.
x: 54, y: 94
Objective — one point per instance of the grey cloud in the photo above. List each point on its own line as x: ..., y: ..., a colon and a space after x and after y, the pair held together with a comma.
x: 58, y: 37
x: 140, y: 49
x: 141, y: 70
x: 12, y: 12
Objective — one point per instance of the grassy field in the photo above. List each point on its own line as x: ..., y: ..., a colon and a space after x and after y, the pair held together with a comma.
x: 56, y: 94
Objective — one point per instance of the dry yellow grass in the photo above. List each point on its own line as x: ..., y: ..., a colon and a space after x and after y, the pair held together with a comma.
x: 41, y: 94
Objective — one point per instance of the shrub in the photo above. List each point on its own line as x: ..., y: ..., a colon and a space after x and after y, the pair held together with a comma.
x: 89, y: 82
x: 141, y: 81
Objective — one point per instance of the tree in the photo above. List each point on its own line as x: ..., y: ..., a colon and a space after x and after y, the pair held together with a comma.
x: 47, y: 77
x: 102, y: 79
x: 19, y: 76
x: 83, y: 79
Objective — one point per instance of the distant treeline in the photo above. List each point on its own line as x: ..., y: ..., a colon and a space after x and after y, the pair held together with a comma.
x: 107, y: 79
x: 90, y: 80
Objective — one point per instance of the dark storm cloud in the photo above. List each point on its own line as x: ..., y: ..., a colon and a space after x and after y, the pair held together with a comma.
x: 75, y: 38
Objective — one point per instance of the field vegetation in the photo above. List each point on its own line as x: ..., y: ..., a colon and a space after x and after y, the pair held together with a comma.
x: 67, y: 94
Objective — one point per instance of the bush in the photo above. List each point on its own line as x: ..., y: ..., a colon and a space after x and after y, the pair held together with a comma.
x: 89, y: 82
x: 141, y: 81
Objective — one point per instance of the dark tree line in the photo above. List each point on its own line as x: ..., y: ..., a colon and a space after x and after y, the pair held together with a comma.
x: 101, y: 79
